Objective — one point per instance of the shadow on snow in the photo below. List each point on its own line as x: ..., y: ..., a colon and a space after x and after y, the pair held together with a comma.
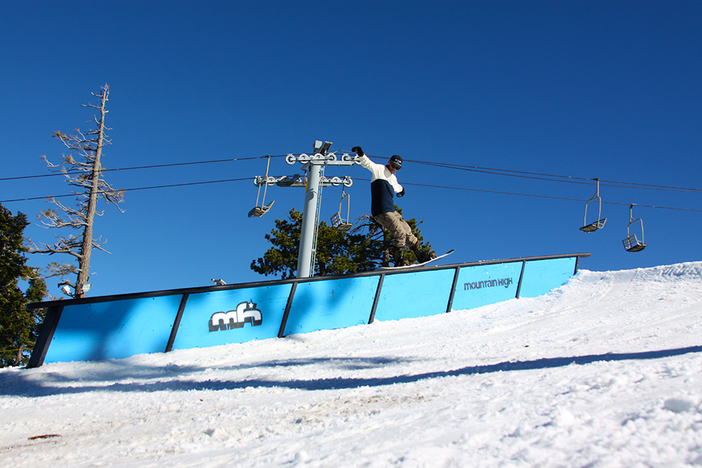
x: 21, y: 383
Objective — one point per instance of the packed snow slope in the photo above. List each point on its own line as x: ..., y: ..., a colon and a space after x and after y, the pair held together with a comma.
x: 605, y: 371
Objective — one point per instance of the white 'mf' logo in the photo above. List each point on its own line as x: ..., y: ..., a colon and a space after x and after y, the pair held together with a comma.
x: 244, y: 312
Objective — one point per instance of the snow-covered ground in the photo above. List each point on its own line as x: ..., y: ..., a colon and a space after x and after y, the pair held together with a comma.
x: 605, y: 371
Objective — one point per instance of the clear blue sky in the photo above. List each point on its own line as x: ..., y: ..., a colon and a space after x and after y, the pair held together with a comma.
x: 584, y: 89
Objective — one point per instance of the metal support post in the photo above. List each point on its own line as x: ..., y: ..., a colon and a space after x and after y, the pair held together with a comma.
x: 305, y: 262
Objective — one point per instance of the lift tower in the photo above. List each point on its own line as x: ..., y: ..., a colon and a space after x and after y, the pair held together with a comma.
x: 314, y: 166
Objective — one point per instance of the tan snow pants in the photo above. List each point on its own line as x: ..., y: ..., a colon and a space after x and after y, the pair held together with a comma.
x: 401, y: 231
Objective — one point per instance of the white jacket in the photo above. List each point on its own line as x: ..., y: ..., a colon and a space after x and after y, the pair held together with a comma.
x: 384, y: 185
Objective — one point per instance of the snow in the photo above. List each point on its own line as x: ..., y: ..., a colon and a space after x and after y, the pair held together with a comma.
x: 604, y: 371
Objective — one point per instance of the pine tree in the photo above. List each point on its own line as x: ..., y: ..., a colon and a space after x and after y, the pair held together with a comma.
x: 18, y: 326
x: 338, y: 253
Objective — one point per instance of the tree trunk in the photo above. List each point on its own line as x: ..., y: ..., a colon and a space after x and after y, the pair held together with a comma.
x: 87, y: 246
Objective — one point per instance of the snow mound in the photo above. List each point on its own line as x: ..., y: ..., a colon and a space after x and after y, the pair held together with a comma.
x: 603, y: 371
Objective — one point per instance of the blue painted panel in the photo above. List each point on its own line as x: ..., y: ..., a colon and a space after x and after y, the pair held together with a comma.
x: 330, y: 304
x: 486, y: 284
x: 232, y: 316
x: 113, y: 330
x: 410, y: 295
x: 541, y: 276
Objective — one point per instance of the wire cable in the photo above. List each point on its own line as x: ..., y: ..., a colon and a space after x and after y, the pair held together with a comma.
x: 436, y: 164
x: 554, y: 177
x: 135, y: 189
x: 154, y: 166
x: 478, y: 169
x: 548, y: 196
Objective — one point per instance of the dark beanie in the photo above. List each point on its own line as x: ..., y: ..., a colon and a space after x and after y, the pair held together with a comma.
x: 396, y: 161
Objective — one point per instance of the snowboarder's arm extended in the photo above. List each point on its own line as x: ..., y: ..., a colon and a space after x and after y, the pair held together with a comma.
x: 367, y: 163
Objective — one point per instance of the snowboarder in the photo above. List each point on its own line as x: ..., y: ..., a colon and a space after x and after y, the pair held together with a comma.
x: 384, y: 185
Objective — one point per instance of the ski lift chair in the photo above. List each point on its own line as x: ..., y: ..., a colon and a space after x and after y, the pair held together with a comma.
x: 632, y: 243
x: 257, y: 210
x: 595, y: 225
x: 339, y: 223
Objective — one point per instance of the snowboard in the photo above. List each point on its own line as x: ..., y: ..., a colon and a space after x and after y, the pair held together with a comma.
x: 416, y: 265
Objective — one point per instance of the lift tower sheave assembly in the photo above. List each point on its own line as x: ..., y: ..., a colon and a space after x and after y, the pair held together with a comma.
x: 314, y: 166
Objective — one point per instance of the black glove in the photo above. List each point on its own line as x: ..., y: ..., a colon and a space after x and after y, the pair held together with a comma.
x: 401, y: 194
x: 357, y: 150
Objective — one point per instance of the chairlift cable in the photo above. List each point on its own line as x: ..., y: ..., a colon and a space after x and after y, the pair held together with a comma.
x: 367, y: 180
x: 545, y: 196
x: 135, y: 189
x: 478, y: 169
x: 449, y: 166
x: 154, y: 166
x: 553, y: 177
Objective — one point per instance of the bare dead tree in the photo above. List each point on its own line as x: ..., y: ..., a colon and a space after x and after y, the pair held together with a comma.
x: 84, y: 173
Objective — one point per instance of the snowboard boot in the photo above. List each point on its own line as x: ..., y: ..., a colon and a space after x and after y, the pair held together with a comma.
x: 386, y: 257
x: 388, y: 254
x: 422, y: 253
x: 391, y: 254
